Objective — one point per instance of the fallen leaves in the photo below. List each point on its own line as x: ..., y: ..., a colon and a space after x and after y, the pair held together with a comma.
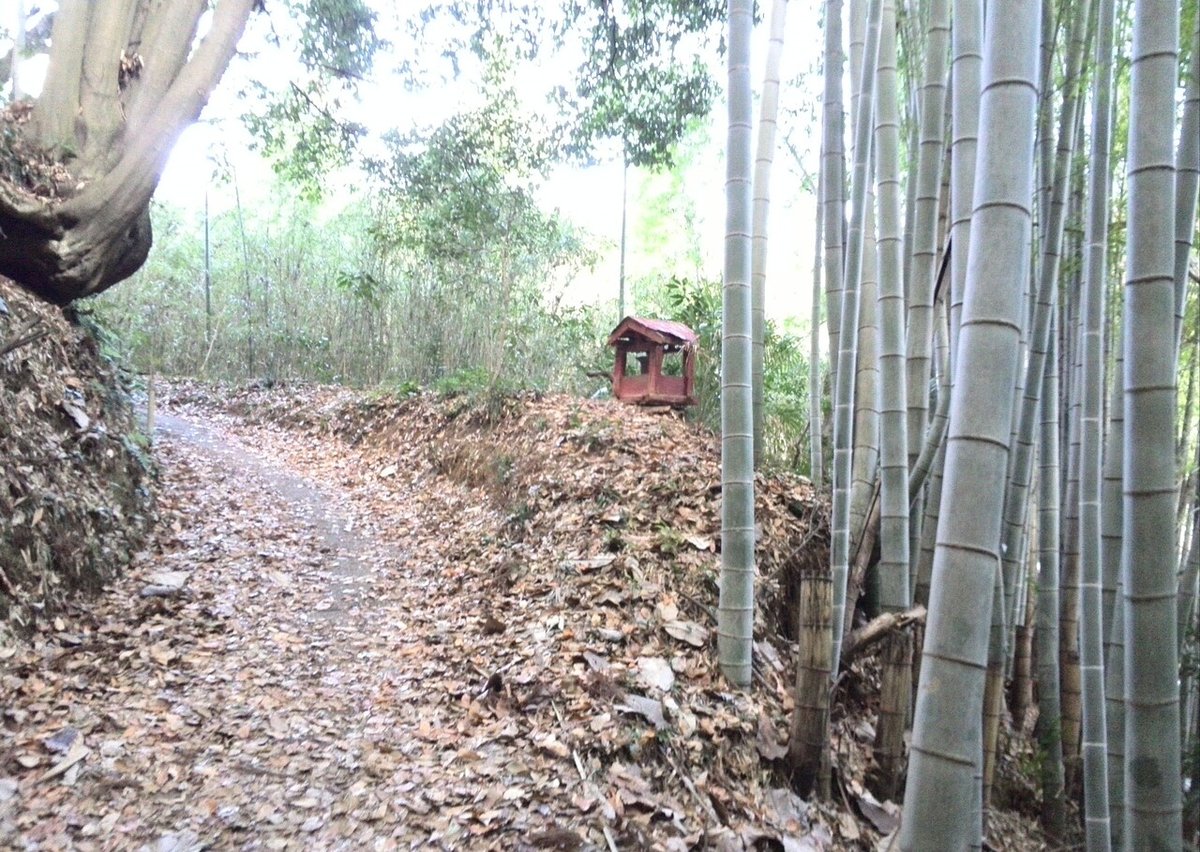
x: 75, y: 499
x: 687, y: 631
x: 502, y: 642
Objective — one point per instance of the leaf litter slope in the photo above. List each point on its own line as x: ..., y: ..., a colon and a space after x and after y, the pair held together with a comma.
x: 561, y: 560
x: 74, y: 500
x: 422, y: 622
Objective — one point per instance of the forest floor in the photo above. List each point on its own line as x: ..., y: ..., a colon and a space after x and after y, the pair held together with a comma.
x: 364, y: 624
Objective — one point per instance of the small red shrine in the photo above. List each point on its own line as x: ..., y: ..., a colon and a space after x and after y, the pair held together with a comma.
x: 656, y: 362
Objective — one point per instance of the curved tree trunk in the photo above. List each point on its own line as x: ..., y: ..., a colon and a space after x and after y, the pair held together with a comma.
x: 119, y: 129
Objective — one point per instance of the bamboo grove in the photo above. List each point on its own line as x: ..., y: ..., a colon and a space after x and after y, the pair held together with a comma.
x: 1006, y: 259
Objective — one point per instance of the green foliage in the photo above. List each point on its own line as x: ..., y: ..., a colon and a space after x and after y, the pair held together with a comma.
x: 456, y: 191
x: 697, y: 304
x: 634, y: 85
x: 363, y: 286
x: 458, y: 221
x: 302, y: 128
x: 448, y: 274
x: 643, y: 78
x: 470, y: 380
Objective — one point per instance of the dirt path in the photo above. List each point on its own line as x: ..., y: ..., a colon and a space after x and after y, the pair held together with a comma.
x: 314, y: 686
x: 350, y: 560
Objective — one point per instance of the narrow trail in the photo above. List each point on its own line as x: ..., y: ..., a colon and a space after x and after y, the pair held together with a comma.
x: 312, y: 687
x: 350, y: 560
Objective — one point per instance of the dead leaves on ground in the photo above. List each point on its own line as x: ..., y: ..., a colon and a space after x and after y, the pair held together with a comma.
x: 416, y: 625
x: 577, y: 561
x: 74, y: 484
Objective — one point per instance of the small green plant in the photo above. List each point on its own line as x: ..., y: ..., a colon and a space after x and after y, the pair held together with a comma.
x: 522, y: 514
x: 470, y: 380
x: 670, y: 542
x: 139, y: 446
x: 502, y: 467
x: 614, y: 542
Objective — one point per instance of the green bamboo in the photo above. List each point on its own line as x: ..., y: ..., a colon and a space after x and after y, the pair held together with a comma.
x: 894, y: 558
x: 947, y: 739
x: 964, y: 115
x: 833, y: 169
x: 1094, y: 746
x: 865, y: 464
x: 865, y: 467
x: 893, y: 458
x: 844, y: 395
x: 1049, y: 711
x: 816, y: 454
x: 735, y: 622
x: 1021, y: 462
x: 925, y: 237
x: 1111, y: 521
x: 1153, y: 807
x: 767, y: 126
x: 1187, y: 179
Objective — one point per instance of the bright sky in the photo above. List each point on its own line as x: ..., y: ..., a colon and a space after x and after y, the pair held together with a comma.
x: 590, y: 197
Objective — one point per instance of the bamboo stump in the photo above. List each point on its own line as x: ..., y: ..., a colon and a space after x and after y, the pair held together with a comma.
x: 895, y: 694
x: 808, y: 744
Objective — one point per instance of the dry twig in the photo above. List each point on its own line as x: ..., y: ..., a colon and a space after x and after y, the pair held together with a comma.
x: 874, y: 630
x: 25, y: 335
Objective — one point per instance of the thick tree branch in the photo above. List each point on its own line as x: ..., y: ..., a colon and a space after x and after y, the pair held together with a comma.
x: 100, y: 119
x: 165, y: 41
x: 34, y: 213
x: 53, y: 122
x: 90, y: 241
